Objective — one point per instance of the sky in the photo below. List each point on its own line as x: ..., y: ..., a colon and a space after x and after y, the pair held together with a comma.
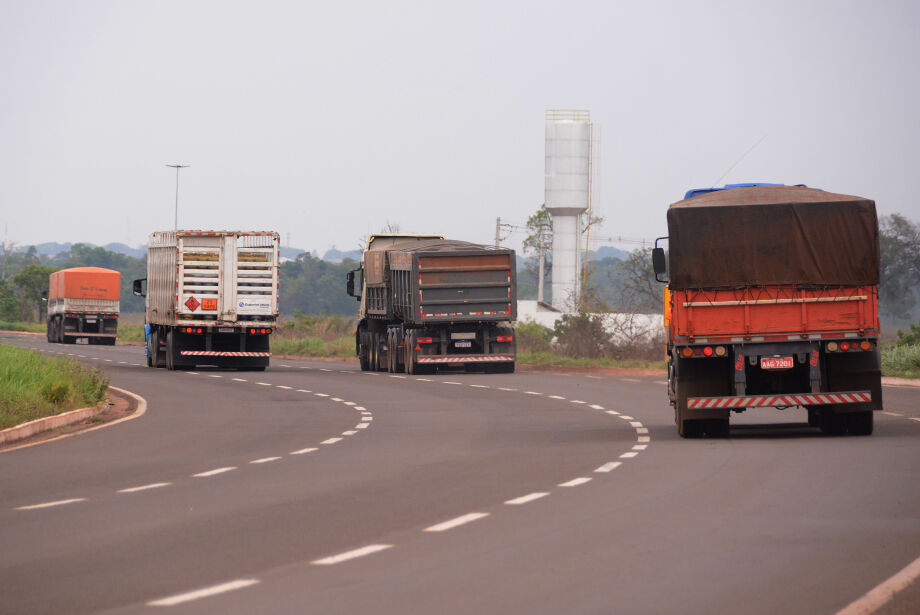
x: 326, y: 121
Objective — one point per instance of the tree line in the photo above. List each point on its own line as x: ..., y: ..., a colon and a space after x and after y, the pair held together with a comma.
x: 310, y: 285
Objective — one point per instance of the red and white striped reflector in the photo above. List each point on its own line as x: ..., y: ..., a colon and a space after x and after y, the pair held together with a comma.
x: 214, y: 353
x: 816, y: 399
x: 462, y: 359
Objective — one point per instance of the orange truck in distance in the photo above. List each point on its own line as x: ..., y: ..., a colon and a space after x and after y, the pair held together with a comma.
x: 83, y: 303
x: 772, y: 301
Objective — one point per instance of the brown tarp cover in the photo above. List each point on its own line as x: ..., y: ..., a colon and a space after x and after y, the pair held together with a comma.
x: 772, y: 235
x: 374, y: 258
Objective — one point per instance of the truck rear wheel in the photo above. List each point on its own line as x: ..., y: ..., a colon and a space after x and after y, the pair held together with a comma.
x: 860, y: 423
x: 373, y: 352
x: 832, y: 423
x: 171, y: 350
x: 363, y: 359
x: 410, y: 352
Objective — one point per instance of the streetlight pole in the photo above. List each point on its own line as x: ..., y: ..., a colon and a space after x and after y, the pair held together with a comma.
x: 177, y: 167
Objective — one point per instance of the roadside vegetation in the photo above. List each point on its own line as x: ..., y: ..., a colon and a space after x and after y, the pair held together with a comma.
x: 307, y: 335
x: 902, y: 359
x: 33, y: 386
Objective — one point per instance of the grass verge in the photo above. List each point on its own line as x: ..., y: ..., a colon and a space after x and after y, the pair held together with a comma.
x: 33, y: 386
x: 340, y: 348
x: 549, y: 359
x: 901, y: 361
x: 34, y: 327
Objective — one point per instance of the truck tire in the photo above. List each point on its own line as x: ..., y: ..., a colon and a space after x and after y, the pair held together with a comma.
x: 410, y: 352
x: 171, y: 350
x: 373, y: 352
x: 363, y: 359
x: 860, y: 423
x: 833, y: 423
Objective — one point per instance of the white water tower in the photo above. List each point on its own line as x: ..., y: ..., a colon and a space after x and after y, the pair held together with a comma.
x: 568, y: 186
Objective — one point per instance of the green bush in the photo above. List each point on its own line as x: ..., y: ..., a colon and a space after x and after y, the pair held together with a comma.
x: 533, y: 337
x: 901, y: 361
x: 911, y: 338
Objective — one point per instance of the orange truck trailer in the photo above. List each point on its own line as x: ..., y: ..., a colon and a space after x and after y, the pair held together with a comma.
x: 83, y: 303
x: 772, y: 301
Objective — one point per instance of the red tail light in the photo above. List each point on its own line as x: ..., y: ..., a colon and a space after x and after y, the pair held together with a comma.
x: 425, y: 340
x: 504, y: 338
x: 707, y: 351
x: 844, y: 346
x: 252, y: 331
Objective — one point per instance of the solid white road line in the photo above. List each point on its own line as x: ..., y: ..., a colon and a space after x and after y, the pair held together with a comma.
x: 143, y: 487
x: 304, y: 450
x: 581, y: 480
x: 462, y: 520
x: 524, y: 499
x: 49, y: 504
x: 204, y: 592
x: 881, y: 594
x: 265, y: 460
x: 608, y: 467
x: 214, y: 472
x: 331, y: 441
x: 344, y: 557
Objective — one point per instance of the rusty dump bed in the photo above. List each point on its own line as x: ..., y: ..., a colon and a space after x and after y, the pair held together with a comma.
x: 442, y: 280
x: 772, y: 236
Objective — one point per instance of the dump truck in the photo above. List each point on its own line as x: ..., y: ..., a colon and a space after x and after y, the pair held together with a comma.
x: 211, y: 298
x: 427, y: 302
x: 83, y: 303
x: 772, y: 302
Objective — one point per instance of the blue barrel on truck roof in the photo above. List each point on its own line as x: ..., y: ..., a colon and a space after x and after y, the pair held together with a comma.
x: 698, y: 191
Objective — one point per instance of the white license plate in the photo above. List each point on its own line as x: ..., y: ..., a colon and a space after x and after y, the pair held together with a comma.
x: 225, y: 329
x: 90, y: 320
x: 463, y: 344
x: 776, y: 363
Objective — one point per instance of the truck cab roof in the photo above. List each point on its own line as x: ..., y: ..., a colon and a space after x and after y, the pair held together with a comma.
x: 383, y: 241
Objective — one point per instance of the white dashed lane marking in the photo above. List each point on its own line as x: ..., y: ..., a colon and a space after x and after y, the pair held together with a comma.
x: 349, y: 555
x: 214, y: 472
x: 350, y: 432
x: 362, y: 425
x: 264, y: 384
x: 628, y: 455
x: 608, y: 467
x: 331, y: 441
x: 144, y: 487
x: 524, y: 499
x: 581, y: 480
x: 452, y: 523
x: 265, y: 460
x: 204, y: 592
x: 304, y: 450
x: 240, y: 380
x: 596, y: 407
x: 281, y: 386
x: 50, y: 504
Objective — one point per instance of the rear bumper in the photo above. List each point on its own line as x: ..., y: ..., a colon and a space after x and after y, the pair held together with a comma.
x: 761, y: 401
x: 459, y: 359
x: 215, y: 353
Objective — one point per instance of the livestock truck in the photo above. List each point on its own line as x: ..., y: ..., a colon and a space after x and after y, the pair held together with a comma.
x: 83, y: 303
x: 428, y: 302
x: 772, y: 301
x: 211, y: 298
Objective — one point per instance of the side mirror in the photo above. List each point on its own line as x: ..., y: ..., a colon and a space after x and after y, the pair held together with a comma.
x: 44, y: 295
x: 350, y: 283
x: 139, y: 287
x: 659, y: 262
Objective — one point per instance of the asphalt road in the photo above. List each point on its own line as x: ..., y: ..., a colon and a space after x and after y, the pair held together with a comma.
x: 313, y: 487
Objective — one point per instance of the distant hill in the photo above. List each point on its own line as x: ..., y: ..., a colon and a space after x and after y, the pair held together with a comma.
x: 335, y: 255
x: 121, y: 248
x: 50, y: 248
x: 291, y: 253
x: 608, y: 252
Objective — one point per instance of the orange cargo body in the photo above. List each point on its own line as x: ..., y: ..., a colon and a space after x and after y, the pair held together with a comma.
x: 85, y: 283
x: 750, y: 313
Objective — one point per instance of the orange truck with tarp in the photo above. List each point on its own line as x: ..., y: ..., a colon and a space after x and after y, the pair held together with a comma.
x: 772, y: 301
x: 83, y: 303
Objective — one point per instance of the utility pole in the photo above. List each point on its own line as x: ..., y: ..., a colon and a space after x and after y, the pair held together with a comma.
x: 177, y: 167
x: 498, y: 232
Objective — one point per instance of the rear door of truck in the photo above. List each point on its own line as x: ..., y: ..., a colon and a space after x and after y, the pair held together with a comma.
x: 472, y: 286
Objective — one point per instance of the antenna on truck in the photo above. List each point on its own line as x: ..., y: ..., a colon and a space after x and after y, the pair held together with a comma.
x: 743, y: 156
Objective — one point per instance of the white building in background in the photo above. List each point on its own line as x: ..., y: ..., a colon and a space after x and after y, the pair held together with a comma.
x: 567, y: 197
